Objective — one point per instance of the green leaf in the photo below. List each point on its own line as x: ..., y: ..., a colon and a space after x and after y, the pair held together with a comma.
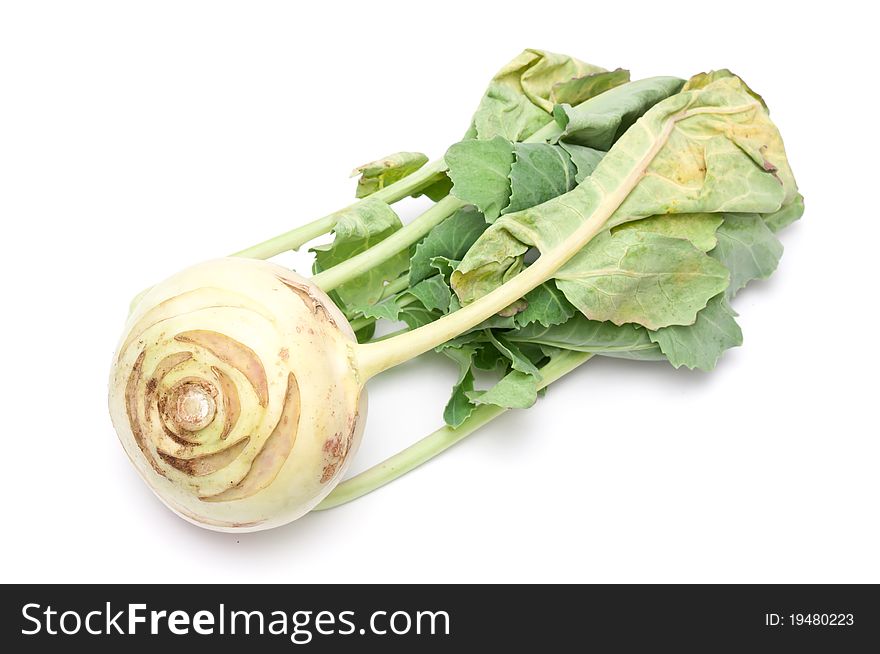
x: 387, y: 309
x: 497, y: 321
x: 653, y: 354
x: 489, y: 358
x: 546, y: 305
x: 436, y: 189
x: 415, y: 315
x: 640, y: 277
x: 359, y: 228
x: 416, y: 306
x: 479, y: 172
x: 585, y: 159
x: 378, y: 174
x: 702, y: 80
x: 487, y: 265
x: 539, y: 173
x: 585, y: 335
x: 691, y: 153
x: 518, y: 361
x: 444, y: 265
x: 698, y: 228
x: 433, y: 293
x: 747, y: 248
x: 600, y: 121
x: 786, y: 215
x: 459, y: 406
x: 474, y: 338
x: 365, y: 333
x: 451, y: 239
x: 700, y: 345
x: 518, y: 100
x: 535, y: 352
x: 498, y: 177
x: 516, y: 390
x: 579, y: 89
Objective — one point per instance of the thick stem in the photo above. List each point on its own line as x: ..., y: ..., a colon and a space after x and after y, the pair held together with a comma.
x: 299, y: 236
x: 439, y: 441
x: 292, y: 240
x: 399, y: 240
x: 373, y: 358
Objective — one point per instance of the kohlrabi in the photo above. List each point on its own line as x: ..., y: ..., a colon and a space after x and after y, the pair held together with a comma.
x: 238, y: 390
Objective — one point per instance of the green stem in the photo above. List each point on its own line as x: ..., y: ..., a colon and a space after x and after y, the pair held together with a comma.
x: 384, y: 250
x: 292, y: 240
x: 396, y: 286
x: 439, y: 441
x: 299, y: 236
x: 400, y: 331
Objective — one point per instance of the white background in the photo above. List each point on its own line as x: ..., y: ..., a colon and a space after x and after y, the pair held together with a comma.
x: 137, y: 138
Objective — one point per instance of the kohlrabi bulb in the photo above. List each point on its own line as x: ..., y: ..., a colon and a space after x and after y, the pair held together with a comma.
x: 236, y: 394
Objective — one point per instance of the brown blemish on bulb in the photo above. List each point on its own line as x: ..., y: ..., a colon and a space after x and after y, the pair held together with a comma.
x: 166, y: 365
x: 235, y: 354
x: 131, y: 409
x: 305, y: 294
x: 206, y: 464
x: 231, y: 403
x: 181, y: 439
x: 336, y: 449
x: 269, y: 460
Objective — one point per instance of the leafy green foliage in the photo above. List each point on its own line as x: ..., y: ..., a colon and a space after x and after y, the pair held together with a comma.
x: 643, y: 278
x: 433, y: 293
x: 701, y: 344
x: 694, y: 152
x: 584, y: 159
x: 687, y: 182
x: 378, y: 174
x: 451, y: 239
x: 539, y: 172
x: 747, y: 248
x: 701, y: 80
x: 600, y: 121
x: 460, y: 406
x: 498, y: 177
x: 520, y: 97
x: 546, y: 305
x: 788, y: 214
x: 580, y: 89
x: 698, y: 228
x: 480, y: 173
x: 516, y: 390
x: 437, y: 188
x: 585, y: 335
